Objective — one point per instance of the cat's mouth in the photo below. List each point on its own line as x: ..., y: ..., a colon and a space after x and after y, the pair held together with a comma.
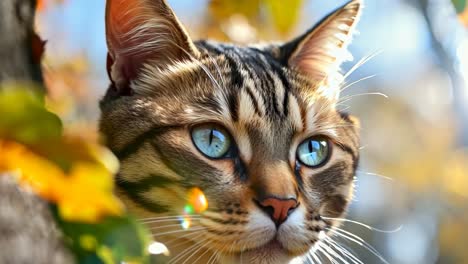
x: 273, y: 246
x: 276, y: 249
x: 272, y: 252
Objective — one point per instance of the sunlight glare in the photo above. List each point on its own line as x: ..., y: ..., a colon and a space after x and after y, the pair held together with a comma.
x: 157, y: 248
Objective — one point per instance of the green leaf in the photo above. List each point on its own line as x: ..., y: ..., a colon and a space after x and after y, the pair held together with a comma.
x: 24, y: 117
x: 112, y: 240
x: 460, y: 5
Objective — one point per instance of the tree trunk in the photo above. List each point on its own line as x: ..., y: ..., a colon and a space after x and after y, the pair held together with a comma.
x: 19, y: 45
x: 28, y: 232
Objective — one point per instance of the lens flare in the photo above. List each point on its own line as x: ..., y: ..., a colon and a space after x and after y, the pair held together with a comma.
x: 186, y: 223
x: 196, y: 200
x: 196, y: 203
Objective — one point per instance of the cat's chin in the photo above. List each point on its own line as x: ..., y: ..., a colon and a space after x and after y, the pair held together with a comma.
x: 272, y: 253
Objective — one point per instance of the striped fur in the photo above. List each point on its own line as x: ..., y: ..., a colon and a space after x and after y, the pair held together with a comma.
x: 270, y: 98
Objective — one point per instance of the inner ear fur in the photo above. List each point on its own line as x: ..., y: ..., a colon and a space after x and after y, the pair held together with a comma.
x: 142, y: 31
x: 319, y: 52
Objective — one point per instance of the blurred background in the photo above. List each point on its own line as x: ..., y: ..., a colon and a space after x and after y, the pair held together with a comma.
x: 413, y: 178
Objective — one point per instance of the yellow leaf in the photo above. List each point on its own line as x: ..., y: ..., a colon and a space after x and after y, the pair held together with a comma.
x: 464, y: 16
x: 44, y: 177
x: 284, y: 15
x: 84, y: 194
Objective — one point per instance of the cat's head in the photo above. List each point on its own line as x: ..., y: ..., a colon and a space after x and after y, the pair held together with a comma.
x: 256, y: 128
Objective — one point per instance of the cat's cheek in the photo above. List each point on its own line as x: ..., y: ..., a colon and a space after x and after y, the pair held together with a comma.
x: 336, y: 204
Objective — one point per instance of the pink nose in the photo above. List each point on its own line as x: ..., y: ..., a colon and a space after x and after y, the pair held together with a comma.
x: 278, y: 209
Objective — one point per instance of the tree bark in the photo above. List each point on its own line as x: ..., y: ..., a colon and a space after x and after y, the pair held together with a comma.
x: 28, y: 232
x: 19, y: 45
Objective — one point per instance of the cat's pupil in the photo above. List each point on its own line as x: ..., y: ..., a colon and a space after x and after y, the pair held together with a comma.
x: 211, y: 136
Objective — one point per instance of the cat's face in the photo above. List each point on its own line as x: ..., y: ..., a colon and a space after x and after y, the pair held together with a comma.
x: 255, y: 128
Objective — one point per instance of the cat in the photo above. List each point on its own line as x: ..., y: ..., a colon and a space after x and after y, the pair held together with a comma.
x: 255, y: 128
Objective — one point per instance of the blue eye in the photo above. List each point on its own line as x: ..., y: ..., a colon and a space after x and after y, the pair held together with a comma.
x: 313, y: 152
x: 211, y: 140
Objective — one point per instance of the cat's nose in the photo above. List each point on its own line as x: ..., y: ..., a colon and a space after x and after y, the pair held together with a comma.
x: 278, y: 208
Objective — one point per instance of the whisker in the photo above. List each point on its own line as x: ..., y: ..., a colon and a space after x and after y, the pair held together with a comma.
x: 215, y: 257
x: 349, y: 97
x: 181, y: 254
x: 308, y: 258
x: 179, y: 237
x: 337, y: 126
x: 164, y: 226
x: 178, y: 231
x: 314, y: 256
x: 347, y: 251
x: 212, y: 257
x: 198, y: 234
x: 356, y: 82
x: 204, y: 68
x: 195, y: 252
x: 319, y: 256
x: 334, y: 253
x: 242, y: 254
x: 343, y: 250
x: 323, y: 109
x: 218, y: 69
x: 170, y: 220
x: 375, y: 174
x: 199, y: 257
x: 218, y: 257
x: 167, y: 217
x: 332, y: 260
x: 185, y: 252
x: 346, y: 107
x: 361, y: 62
x: 358, y: 240
x: 364, y: 225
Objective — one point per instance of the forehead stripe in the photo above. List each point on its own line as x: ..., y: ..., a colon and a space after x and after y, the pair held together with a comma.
x: 233, y: 102
x: 237, y: 81
x: 236, y: 77
x: 286, y: 85
x: 267, y: 82
x: 254, y: 100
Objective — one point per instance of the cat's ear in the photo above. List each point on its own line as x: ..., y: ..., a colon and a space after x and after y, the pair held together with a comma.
x: 140, y: 31
x: 320, y: 51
